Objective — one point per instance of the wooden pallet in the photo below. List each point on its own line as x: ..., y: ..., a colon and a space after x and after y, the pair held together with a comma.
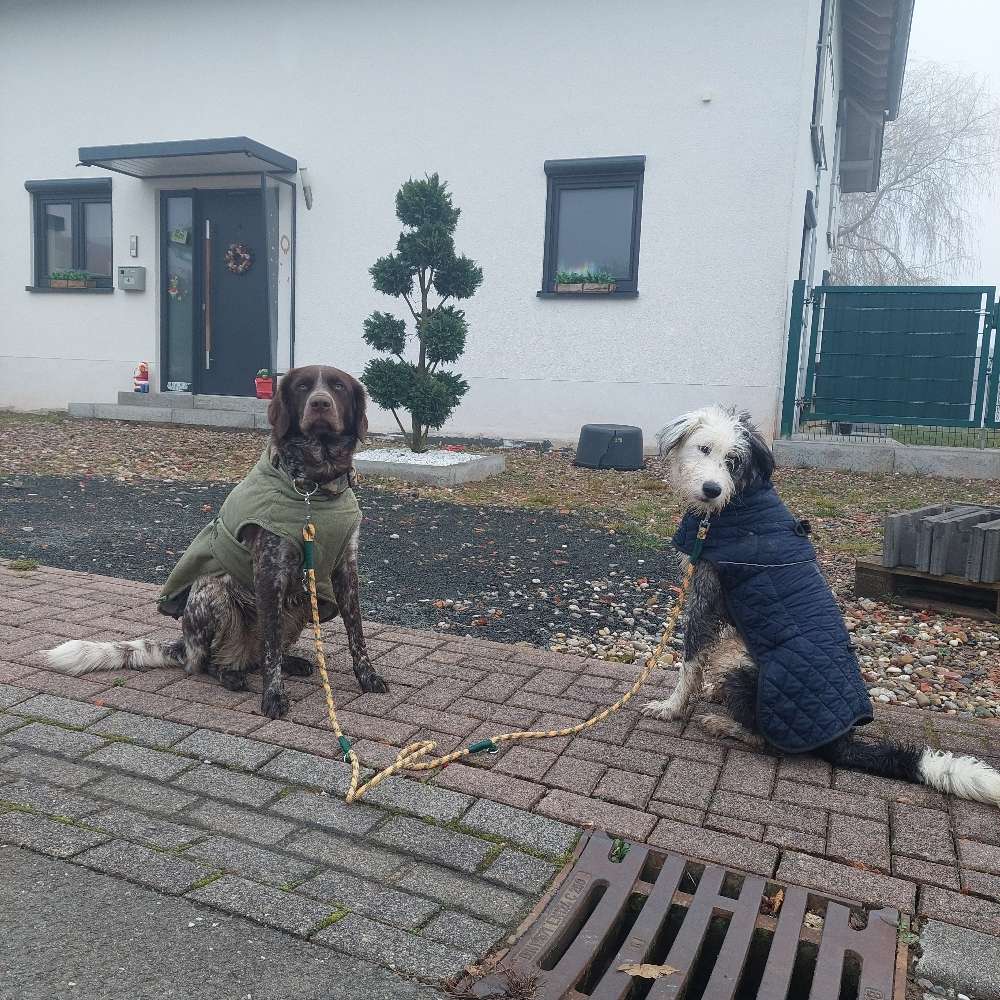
x: 916, y: 589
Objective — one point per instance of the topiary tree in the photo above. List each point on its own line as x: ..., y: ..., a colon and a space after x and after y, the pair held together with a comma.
x: 424, y: 262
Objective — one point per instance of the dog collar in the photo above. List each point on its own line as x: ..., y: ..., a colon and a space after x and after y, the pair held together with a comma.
x: 345, y: 482
x: 306, y: 488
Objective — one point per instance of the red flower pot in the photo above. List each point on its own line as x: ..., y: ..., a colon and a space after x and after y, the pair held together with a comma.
x: 265, y: 387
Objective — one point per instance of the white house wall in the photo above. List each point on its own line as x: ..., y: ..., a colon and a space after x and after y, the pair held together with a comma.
x: 716, y: 96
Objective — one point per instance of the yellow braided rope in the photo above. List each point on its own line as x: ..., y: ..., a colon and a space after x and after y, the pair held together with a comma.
x: 408, y: 758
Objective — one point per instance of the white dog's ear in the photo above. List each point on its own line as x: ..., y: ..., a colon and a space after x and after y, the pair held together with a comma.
x: 675, y: 432
x: 760, y: 454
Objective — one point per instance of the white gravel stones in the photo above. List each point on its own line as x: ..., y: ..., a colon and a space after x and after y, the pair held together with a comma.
x: 405, y: 456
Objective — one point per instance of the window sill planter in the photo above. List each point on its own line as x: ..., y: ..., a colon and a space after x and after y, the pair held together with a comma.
x: 588, y: 287
x: 66, y: 283
x: 264, y: 387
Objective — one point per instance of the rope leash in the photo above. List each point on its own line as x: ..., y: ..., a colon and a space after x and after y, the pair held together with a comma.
x: 409, y: 758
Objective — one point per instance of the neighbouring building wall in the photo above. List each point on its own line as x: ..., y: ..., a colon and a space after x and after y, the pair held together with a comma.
x: 716, y: 96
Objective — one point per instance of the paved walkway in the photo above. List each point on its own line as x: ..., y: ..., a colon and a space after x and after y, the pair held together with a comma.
x: 457, y: 860
x: 73, y: 933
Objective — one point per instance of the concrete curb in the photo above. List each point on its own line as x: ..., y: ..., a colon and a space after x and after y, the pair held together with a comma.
x: 888, y: 456
x: 472, y: 471
x: 961, y: 958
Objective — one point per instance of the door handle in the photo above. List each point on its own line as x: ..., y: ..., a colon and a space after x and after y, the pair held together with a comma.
x: 206, y: 301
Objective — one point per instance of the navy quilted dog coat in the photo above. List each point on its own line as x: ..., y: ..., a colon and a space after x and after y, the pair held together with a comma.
x: 809, y: 687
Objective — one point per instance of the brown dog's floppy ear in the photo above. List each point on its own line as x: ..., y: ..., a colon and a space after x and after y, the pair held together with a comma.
x: 279, y: 413
x: 360, y: 411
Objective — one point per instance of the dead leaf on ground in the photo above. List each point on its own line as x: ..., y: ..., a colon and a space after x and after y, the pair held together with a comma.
x: 771, y: 905
x: 643, y: 970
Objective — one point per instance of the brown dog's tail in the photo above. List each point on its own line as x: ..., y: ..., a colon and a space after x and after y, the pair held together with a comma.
x: 78, y: 657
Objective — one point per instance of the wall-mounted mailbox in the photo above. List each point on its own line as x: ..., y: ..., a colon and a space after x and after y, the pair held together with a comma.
x: 132, y: 279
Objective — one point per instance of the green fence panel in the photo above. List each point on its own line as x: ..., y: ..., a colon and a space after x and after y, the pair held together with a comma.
x: 792, y: 357
x: 900, y: 355
x: 991, y: 375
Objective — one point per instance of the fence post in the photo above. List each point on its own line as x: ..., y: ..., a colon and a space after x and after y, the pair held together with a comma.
x: 792, y: 358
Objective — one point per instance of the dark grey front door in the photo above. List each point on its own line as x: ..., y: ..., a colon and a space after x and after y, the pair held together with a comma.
x: 237, y: 341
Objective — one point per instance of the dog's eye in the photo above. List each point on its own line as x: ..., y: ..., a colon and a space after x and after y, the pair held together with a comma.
x: 303, y: 386
x: 704, y: 449
x: 338, y: 386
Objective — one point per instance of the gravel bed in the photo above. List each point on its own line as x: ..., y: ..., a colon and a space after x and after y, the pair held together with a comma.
x: 926, y: 660
x: 504, y: 574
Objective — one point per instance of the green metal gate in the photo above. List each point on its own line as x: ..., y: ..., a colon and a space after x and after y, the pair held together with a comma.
x: 916, y: 356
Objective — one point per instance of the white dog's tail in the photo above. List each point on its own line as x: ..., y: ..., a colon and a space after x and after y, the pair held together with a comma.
x: 78, y: 657
x: 963, y: 776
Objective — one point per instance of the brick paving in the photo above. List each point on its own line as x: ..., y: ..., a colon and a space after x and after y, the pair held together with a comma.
x: 153, y: 745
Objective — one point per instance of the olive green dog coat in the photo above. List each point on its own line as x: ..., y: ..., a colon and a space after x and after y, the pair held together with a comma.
x: 266, y: 497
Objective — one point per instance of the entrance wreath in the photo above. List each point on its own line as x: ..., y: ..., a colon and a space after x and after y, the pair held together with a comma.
x: 239, y: 258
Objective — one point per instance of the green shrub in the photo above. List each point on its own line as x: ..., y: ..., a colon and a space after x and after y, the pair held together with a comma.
x: 424, y: 263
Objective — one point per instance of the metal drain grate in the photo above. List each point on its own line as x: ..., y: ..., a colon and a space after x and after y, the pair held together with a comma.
x: 729, y: 936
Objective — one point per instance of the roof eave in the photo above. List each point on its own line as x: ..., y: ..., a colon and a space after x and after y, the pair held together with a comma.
x: 900, y: 50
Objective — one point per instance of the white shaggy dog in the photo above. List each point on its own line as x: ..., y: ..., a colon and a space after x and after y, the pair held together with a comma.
x: 702, y: 448
x: 762, y: 627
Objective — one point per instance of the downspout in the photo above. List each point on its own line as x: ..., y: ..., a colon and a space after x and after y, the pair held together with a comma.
x: 824, y: 13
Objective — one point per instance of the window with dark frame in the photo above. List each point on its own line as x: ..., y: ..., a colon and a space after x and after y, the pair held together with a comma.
x: 71, y: 222
x: 592, y: 216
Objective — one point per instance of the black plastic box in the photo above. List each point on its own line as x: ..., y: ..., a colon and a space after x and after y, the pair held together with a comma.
x: 610, y: 446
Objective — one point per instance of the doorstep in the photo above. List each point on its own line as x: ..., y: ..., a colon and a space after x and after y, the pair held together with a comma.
x: 246, y: 412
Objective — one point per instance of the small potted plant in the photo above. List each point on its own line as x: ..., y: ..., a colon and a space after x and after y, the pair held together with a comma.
x: 264, y: 384
x: 70, y: 279
x: 599, y: 281
x: 594, y: 281
x: 79, y: 279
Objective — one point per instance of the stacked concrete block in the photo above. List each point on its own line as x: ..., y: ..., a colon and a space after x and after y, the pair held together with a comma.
x: 901, y: 532
x: 930, y: 538
x: 983, y: 561
x: 961, y: 540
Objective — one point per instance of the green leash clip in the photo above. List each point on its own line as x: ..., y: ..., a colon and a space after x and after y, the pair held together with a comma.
x: 699, y: 542
x: 345, y: 745
x: 308, y: 559
x: 484, y: 745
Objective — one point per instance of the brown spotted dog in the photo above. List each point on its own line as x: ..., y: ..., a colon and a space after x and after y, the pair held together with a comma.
x: 317, y: 417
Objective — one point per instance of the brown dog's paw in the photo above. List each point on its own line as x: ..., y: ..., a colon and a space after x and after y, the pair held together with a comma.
x: 297, y: 666
x: 371, y: 683
x: 233, y: 680
x: 274, y: 702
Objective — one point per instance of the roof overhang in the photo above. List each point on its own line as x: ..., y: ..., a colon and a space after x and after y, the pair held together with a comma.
x: 189, y: 158
x: 861, y: 148
x: 875, y: 39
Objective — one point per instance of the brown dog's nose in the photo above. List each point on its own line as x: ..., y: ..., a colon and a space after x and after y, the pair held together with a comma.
x: 320, y: 403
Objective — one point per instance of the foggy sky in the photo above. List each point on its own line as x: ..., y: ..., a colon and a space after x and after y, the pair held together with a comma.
x: 962, y: 33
